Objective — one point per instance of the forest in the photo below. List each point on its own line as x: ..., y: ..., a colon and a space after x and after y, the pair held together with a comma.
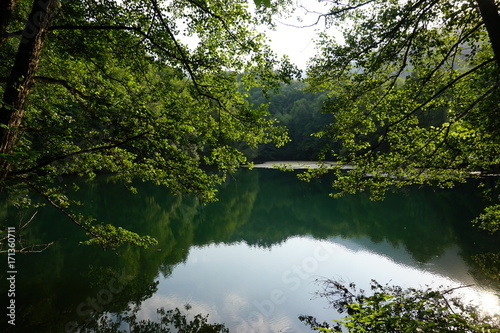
x: 302, y: 114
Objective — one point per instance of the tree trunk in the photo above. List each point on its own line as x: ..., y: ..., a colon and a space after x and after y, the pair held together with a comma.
x: 491, y: 19
x: 22, y: 76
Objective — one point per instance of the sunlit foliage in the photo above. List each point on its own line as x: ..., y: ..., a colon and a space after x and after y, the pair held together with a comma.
x: 413, y: 90
x: 149, y: 90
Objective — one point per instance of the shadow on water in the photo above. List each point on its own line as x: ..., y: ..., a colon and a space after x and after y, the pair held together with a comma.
x: 69, y: 283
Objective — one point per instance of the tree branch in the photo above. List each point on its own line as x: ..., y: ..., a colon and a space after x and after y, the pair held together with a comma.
x: 182, y: 58
x: 442, y: 90
x: 138, y: 30
x: 332, y: 13
x: 26, y: 249
x: 83, y: 151
x: 75, y: 92
x: 56, y: 206
x: 219, y: 18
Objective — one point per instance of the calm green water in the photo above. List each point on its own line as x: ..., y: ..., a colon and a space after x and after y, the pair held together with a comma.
x: 249, y: 260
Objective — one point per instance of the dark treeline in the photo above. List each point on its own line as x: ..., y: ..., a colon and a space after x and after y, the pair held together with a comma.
x: 301, y: 113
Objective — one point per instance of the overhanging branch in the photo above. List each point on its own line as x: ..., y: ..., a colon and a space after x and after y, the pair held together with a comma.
x: 56, y: 206
x: 331, y: 13
x: 138, y: 30
x: 442, y: 90
x: 80, y: 152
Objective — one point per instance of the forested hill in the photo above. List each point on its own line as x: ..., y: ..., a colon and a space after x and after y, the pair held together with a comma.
x: 301, y: 112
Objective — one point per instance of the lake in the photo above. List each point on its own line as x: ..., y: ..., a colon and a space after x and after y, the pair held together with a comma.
x: 251, y: 259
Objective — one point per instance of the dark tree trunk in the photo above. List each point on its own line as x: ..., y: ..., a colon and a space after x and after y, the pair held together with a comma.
x: 21, y: 77
x: 491, y: 19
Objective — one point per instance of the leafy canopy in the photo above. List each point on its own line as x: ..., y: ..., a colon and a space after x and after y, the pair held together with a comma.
x: 413, y: 89
x: 151, y: 90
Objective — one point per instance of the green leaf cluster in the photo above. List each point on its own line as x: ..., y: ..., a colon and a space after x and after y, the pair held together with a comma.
x: 109, y: 236
x: 488, y: 220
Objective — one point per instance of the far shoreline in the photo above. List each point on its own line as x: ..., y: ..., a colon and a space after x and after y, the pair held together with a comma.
x: 295, y: 165
x: 306, y: 165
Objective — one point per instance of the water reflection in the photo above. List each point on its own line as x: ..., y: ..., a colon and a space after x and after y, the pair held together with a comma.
x: 249, y: 259
x: 267, y: 299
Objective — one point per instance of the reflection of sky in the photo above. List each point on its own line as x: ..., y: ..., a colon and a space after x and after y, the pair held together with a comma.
x: 449, y: 264
x: 265, y: 290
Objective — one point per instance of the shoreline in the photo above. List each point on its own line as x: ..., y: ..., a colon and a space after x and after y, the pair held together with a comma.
x: 305, y: 165
x: 297, y: 165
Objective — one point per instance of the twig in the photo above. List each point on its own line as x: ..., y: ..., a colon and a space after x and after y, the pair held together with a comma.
x: 21, y: 227
x: 33, y: 246
x: 450, y: 291
x: 30, y: 248
x: 59, y: 208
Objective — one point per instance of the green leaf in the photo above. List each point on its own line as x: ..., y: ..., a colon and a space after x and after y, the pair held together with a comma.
x: 266, y: 3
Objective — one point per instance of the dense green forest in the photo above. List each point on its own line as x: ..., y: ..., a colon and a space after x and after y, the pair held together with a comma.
x: 301, y: 112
